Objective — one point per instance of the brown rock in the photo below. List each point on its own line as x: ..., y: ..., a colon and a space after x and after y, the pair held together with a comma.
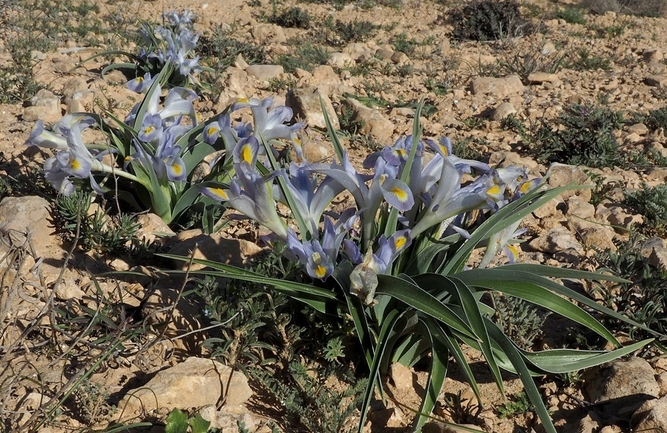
x: 265, y: 72
x: 562, y: 175
x: 372, y: 121
x: 497, y: 87
x: 656, y: 80
x: 212, y: 247
x: 502, y: 111
x: 543, y: 77
x: 44, y: 106
x: 268, y: 33
x: 622, y: 383
x: 306, y: 105
x: 194, y: 383
x: 651, y: 416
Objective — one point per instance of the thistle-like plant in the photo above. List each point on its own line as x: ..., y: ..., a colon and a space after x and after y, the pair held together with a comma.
x: 149, y: 159
x: 397, y: 261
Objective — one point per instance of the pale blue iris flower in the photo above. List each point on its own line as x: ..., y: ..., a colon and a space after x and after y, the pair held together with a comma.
x: 252, y: 195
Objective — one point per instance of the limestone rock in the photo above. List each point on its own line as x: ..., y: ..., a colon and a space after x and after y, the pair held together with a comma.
x: 555, y: 240
x: 152, y: 228
x: 639, y: 129
x: 265, y: 72
x: 340, y: 60
x: 268, y: 33
x: 658, y: 258
x: 194, y: 383
x: 212, y: 247
x: 620, y: 378
x: 372, y: 121
x: 502, y: 111
x: 401, y: 375
x: 81, y: 101
x: 497, y: 87
x: 543, y: 77
x: 227, y: 419
x: 306, y: 105
x: 563, y: 174
x: 29, y: 214
x: 651, y: 416
x: 45, y: 106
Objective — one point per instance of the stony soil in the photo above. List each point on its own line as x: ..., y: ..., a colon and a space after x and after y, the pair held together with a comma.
x: 564, y: 233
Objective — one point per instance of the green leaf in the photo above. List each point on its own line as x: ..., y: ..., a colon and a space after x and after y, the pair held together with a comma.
x: 437, y: 372
x: 319, y: 299
x: 517, y: 361
x: 506, y: 216
x: 526, y: 286
x: 177, y: 422
x: 199, y: 424
x: 417, y: 298
x: 193, y: 195
x: 374, y: 374
x: 338, y: 148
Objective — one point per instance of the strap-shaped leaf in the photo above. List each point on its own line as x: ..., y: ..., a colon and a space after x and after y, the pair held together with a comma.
x: 317, y: 298
x: 508, y: 215
x: 437, y: 371
x: 464, y: 297
x: 374, y: 374
x: 526, y: 286
x: 521, y: 369
x: 417, y: 298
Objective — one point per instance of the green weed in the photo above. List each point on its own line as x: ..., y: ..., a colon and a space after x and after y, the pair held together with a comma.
x: 583, y: 60
x: 572, y: 15
x: 486, y: 20
x: 586, y: 137
x: 222, y: 49
x: 518, y: 404
x: 651, y: 202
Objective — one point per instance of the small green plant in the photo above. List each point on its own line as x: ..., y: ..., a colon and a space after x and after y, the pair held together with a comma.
x: 583, y: 60
x: 91, y: 401
x: 292, y: 17
x: 97, y: 231
x: 586, y: 137
x: 518, y: 404
x: 221, y: 49
x: 572, y: 15
x: 514, y: 124
x: 404, y: 44
x: 309, y: 404
x: 655, y: 119
x: 651, y: 202
x: 339, y: 33
x: 525, y: 62
x: 179, y: 422
x: 519, y: 320
x: 438, y: 87
x: 468, y: 148
x: 641, y: 297
x: 306, y: 56
x: 486, y: 20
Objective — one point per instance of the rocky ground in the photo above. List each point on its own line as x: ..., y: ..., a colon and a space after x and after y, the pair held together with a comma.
x: 467, y: 98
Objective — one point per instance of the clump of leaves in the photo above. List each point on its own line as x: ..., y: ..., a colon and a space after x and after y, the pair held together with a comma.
x: 97, y: 231
x: 306, y: 56
x: 651, y: 202
x: 292, y: 17
x: 486, y: 20
x: 572, y: 15
x: 340, y: 33
x: 309, y: 404
x: 651, y: 8
x: 524, y: 62
x: 583, y: 60
x: 643, y: 298
x: 518, y: 404
x: 222, y: 49
x: 520, y: 320
x: 91, y: 400
x: 655, y: 119
x: 467, y: 148
x: 586, y: 137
